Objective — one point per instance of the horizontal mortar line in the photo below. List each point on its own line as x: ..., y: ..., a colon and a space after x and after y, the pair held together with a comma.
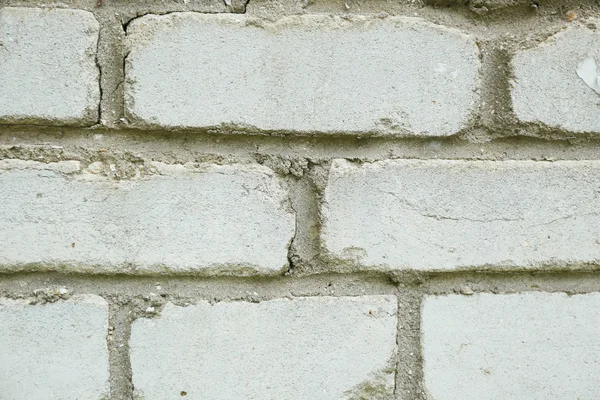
x: 509, y: 130
x: 184, y: 148
x: 221, y: 288
x: 318, y: 269
x: 336, y: 285
x: 469, y: 283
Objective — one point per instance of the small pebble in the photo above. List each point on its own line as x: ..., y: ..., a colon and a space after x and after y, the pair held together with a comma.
x: 466, y: 290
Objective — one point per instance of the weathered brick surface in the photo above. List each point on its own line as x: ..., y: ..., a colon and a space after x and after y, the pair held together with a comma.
x: 445, y: 215
x: 520, y: 346
x: 231, y: 219
x: 546, y: 87
x: 302, y: 73
x: 285, y: 203
x: 54, y: 351
x: 48, y: 71
x: 300, y: 348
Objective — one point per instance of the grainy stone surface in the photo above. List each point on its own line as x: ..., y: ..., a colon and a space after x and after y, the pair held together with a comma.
x: 299, y: 348
x: 217, y: 219
x: 528, y: 346
x: 480, y: 6
x: 447, y: 215
x: 200, y: 179
x: 358, y: 75
x: 547, y: 89
x: 54, y: 351
x: 48, y: 72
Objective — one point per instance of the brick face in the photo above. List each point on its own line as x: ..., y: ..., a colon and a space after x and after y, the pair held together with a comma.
x: 546, y: 88
x: 54, y: 350
x: 518, y: 346
x: 48, y: 72
x: 306, y: 73
x: 239, y: 350
x: 448, y: 215
x: 206, y: 218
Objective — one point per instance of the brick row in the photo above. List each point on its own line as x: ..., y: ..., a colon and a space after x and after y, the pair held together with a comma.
x: 311, y: 74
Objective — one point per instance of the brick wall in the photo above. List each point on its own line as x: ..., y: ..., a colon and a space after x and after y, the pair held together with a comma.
x: 291, y: 199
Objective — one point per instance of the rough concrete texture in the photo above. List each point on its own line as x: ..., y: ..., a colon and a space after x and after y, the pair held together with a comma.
x: 480, y: 6
x: 358, y: 75
x: 299, y: 348
x: 490, y: 5
x: 199, y: 218
x: 48, y: 71
x: 547, y: 89
x: 526, y: 346
x: 445, y: 215
x: 54, y: 351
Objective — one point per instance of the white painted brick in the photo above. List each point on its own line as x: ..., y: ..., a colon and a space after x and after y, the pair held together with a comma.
x: 530, y: 346
x: 48, y: 71
x: 447, y: 215
x: 546, y: 88
x: 213, y: 219
x: 302, y: 73
x: 54, y: 351
x: 300, y: 348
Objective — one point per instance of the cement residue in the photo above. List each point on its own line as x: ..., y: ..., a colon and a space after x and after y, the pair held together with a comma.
x: 44, y: 295
x: 284, y: 165
x: 378, y: 386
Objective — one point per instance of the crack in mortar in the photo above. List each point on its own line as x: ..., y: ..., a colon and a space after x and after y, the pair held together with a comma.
x: 99, y: 66
x: 290, y: 249
x: 240, y: 10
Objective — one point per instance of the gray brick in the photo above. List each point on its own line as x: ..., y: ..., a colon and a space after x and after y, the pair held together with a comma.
x: 449, y: 215
x: 54, y: 351
x: 302, y: 73
x: 205, y: 218
x: 547, y: 89
x: 48, y: 71
x: 529, y: 346
x: 300, y: 348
